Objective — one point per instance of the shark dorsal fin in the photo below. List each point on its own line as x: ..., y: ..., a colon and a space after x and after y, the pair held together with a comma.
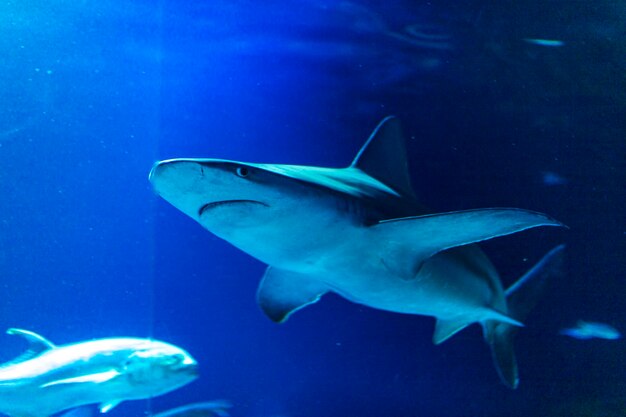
x: 36, y: 345
x: 384, y: 156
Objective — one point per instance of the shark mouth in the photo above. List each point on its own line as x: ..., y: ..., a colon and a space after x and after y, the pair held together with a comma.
x: 214, y: 204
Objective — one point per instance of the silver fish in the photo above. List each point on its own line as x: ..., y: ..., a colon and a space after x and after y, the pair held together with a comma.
x: 47, y: 379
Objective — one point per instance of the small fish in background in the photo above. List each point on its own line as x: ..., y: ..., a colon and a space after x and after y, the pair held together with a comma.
x: 205, y: 409
x: 585, y: 330
x: 550, y: 43
x: 552, y: 179
x: 47, y: 379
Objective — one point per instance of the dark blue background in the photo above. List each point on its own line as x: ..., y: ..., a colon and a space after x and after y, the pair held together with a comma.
x: 92, y: 93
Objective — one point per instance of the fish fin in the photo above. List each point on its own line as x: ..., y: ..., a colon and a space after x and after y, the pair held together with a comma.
x: 521, y: 297
x: 220, y: 409
x: 281, y: 293
x: 384, y: 156
x: 78, y: 412
x: 203, y: 409
x: 108, y: 406
x: 445, y: 329
x: 503, y: 318
x: 28, y: 415
x: 36, y: 342
x: 85, y: 379
x: 410, y: 241
x: 499, y: 335
x: 217, y: 407
x: 36, y: 346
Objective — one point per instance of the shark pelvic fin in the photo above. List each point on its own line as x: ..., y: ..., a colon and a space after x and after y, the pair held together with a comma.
x: 521, y: 297
x: 384, y: 156
x: 410, y: 241
x: 283, y: 292
x: 36, y: 346
x: 445, y: 329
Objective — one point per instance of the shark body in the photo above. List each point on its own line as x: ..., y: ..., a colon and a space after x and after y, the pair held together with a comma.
x: 47, y: 379
x: 359, y: 232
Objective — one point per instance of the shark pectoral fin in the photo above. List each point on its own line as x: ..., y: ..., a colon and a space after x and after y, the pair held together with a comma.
x: 283, y: 292
x: 109, y: 405
x: 445, y: 329
x: 412, y: 240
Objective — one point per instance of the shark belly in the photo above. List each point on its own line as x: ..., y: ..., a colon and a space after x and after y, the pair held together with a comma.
x: 304, y: 247
x: 350, y: 261
x: 445, y: 287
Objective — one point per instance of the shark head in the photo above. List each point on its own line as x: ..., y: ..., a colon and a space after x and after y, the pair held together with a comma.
x: 247, y: 203
x: 155, y: 368
x: 225, y: 195
x: 221, y: 195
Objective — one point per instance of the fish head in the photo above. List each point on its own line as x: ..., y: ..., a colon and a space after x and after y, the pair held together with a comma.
x: 156, y: 367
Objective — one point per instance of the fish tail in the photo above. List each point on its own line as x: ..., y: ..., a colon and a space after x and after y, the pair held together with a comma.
x: 521, y: 297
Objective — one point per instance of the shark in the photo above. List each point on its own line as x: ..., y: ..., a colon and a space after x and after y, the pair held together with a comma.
x: 47, y: 378
x: 359, y: 232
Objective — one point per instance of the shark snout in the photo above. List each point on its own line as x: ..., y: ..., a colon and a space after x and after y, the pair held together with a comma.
x: 153, y: 172
x: 156, y: 174
x: 195, y: 186
x: 175, y: 175
x: 159, y: 171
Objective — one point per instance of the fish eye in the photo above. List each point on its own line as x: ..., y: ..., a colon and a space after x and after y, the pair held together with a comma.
x: 242, y: 172
x: 173, y: 360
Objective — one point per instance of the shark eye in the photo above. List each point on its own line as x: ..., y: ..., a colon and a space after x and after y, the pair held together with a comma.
x: 242, y: 172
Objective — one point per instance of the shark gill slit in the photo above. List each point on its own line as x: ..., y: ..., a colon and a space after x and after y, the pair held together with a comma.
x: 214, y: 204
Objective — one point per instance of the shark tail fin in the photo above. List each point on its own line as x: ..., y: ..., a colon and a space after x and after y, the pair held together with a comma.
x: 521, y: 297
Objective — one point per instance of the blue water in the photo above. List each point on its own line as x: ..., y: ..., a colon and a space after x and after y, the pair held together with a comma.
x: 92, y: 93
